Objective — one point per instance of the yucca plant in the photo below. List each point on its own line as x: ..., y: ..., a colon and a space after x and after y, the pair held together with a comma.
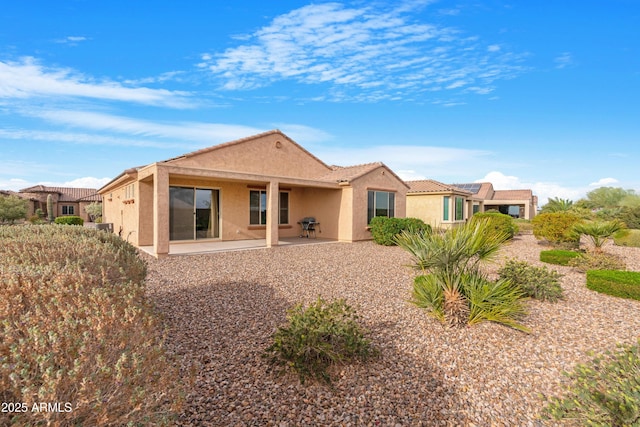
x: 451, y: 285
x: 599, y: 231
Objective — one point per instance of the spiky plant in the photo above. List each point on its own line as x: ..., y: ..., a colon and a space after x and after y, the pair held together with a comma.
x: 50, y: 215
x: 599, y: 231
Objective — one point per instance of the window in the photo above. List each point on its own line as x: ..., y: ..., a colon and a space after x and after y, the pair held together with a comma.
x: 380, y: 203
x: 476, y: 209
x: 258, y: 207
x: 459, y: 208
x: 67, y: 210
x: 445, y: 214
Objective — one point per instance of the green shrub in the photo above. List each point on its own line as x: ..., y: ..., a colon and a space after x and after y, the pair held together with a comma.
x: 451, y: 286
x: 498, y: 221
x: 558, y: 256
x: 69, y: 220
x: 597, y: 261
x: 605, y: 392
x: 524, y: 225
x: 623, y: 284
x: 556, y: 228
x: 598, y: 231
x: 317, y: 337
x: 385, y: 229
x: 76, y: 328
x: 536, y: 282
x: 627, y: 238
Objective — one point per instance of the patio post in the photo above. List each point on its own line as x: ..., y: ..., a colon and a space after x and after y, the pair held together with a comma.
x: 161, y: 212
x: 273, y: 191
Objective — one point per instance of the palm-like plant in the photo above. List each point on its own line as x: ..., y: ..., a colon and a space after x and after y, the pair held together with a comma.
x: 557, y: 204
x: 451, y: 285
x: 599, y: 231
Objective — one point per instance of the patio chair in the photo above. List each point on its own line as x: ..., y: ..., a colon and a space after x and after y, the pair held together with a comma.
x: 308, y: 225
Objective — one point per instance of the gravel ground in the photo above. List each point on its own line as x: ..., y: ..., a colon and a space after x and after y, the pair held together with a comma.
x: 221, y: 308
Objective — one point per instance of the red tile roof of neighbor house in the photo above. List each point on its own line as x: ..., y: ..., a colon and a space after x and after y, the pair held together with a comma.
x: 432, y: 186
x: 512, y: 195
x: 67, y: 194
x: 349, y: 173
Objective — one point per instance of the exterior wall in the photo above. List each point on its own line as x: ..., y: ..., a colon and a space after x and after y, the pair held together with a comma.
x: 378, y: 179
x: 430, y: 209
x: 121, y: 210
x: 272, y: 155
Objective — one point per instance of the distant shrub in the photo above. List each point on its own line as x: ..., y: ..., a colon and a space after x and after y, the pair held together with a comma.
x: 556, y: 228
x: 597, y: 261
x: 76, y: 328
x: 35, y: 219
x: 623, y: 284
x: 316, y: 337
x: 605, y: 392
x: 558, y: 256
x: 524, y: 225
x: 536, y: 282
x: 627, y: 238
x: 497, y: 221
x: 384, y: 229
x: 69, y: 220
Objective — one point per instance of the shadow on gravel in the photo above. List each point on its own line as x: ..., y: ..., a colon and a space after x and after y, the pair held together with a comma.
x: 220, y: 330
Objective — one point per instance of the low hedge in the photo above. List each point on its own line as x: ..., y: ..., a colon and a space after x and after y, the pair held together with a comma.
x: 384, y: 229
x: 69, y: 220
x: 498, y: 221
x: 623, y: 284
x: 558, y: 256
x: 78, y: 330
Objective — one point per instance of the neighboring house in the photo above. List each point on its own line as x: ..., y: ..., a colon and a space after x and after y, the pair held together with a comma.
x: 438, y: 204
x: 517, y: 203
x: 258, y: 187
x: 66, y: 201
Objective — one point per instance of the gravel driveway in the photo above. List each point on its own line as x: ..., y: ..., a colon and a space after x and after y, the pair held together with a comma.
x: 221, y: 308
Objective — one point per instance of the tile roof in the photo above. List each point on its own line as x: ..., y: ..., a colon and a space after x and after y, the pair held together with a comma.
x: 512, y: 195
x: 348, y: 173
x: 67, y: 194
x: 432, y: 186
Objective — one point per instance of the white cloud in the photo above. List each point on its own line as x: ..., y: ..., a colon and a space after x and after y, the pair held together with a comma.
x: 544, y: 190
x: 563, y: 60
x: 359, y: 49
x: 28, y: 79
x: 71, y: 40
x: 604, y: 182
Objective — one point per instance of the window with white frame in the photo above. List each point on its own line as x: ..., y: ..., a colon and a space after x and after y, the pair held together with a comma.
x: 459, y: 209
x: 446, y: 201
x: 68, y: 210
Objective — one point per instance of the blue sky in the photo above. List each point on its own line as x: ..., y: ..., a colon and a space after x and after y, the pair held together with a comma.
x: 542, y: 95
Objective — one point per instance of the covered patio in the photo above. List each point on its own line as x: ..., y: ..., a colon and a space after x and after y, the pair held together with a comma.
x: 202, y: 247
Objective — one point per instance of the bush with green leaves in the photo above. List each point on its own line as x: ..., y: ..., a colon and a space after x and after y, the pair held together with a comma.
x: 524, y: 225
x: 558, y: 256
x: 69, y: 220
x: 623, y: 284
x: 597, y: 261
x: 94, y: 210
x: 605, y: 392
x: 12, y: 208
x: 536, y: 282
x: 499, y: 221
x: 627, y: 237
x: 385, y: 229
x: 77, y: 327
x: 317, y: 337
x: 451, y: 286
x: 556, y: 228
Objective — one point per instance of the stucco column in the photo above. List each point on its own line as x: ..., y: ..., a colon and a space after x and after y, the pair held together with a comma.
x: 161, y: 212
x: 527, y: 210
x: 273, y: 191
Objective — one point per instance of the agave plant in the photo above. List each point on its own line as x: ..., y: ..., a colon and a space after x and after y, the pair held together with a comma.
x: 599, y: 231
x: 451, y: 285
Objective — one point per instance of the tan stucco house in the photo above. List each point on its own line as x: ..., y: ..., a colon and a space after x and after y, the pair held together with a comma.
x: 447, y: 205
x: 439, y: 205
x: 257, y: 187
x: 66, y: 200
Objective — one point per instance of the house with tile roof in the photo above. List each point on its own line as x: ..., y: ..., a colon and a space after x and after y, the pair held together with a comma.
x: 258, y: 187
x: 66, y: 200
x: 517, y: 203
x: 438, y: 204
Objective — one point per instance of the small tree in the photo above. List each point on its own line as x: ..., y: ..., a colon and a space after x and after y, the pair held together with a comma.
x: 12, y: 208
x: 94, y: 210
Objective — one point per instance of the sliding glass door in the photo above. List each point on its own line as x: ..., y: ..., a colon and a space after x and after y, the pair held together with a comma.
x: 193, y: 213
